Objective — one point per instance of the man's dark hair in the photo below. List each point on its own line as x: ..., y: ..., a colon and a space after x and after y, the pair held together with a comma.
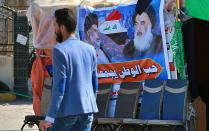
x: 91, y: 19
x: 67, y: 18
x: 150, y: 12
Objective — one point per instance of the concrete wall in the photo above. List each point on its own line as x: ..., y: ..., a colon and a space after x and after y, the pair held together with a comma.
x: 6, y: 25
x: 18, y: 4
x: 6, y: 70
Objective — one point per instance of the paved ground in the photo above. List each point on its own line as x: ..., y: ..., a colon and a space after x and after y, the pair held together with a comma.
x: 12, y: 115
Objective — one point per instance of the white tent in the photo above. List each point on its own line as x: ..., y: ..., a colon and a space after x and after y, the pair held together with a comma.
x: 46, y: 3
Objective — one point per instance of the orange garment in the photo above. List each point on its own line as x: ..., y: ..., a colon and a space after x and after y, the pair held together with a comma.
x: 38, y: 73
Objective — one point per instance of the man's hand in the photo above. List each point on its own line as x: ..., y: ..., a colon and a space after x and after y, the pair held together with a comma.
x: 43, y: 125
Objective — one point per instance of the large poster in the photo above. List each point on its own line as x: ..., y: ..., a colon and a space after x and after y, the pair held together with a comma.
x: 130, y: 46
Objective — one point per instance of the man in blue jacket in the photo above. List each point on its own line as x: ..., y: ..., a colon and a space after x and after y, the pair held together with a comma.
x: 74, y: 79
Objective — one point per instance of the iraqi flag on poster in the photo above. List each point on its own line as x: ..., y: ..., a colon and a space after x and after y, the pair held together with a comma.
x: 112, y: 24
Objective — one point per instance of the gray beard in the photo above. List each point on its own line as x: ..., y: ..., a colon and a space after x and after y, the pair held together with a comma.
x: 143, y: 43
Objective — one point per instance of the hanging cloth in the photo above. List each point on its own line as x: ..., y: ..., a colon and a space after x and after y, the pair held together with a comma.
x: 177, y: 45
x: 198, y: 9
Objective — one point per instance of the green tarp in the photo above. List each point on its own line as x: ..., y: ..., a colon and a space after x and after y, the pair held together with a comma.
x: 198, y: 9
